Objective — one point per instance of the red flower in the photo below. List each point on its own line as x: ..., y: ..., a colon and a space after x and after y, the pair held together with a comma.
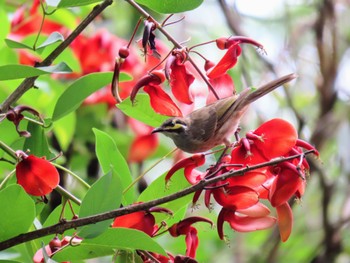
x: 230, y: 58
x: 189, y: 164
x: 36, y: 175
x: 285, y: 221
x: 140, y: 220
x: 223, y: 86
x: 228, y: 61
x: 184, y: 228
x: 236, y: 197
x: 252, y: 219
x: 179, y: 78
x: 160, y: 100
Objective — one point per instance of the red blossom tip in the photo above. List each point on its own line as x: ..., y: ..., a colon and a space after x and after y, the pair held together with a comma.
x: 307, y: 146
x: 154, y: 78
x: 37, y: 176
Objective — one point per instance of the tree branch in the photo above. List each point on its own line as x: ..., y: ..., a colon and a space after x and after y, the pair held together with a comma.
x: 29, y: 82
x: 62, y: 226
x: 174, y: 41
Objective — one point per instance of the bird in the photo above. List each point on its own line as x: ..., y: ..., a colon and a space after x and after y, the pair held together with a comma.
x: 214, y: 124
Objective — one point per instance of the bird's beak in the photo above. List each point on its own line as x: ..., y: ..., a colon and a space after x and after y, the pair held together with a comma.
x: 159, y: 129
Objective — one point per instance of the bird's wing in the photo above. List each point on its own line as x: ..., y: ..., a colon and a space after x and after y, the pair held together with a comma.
x: 226, y: 107
x: 204, y: 123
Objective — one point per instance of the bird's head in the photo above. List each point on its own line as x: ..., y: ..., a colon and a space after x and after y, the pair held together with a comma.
x: 172, y: 127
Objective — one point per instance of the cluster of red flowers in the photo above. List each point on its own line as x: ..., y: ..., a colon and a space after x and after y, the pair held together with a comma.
x: 240, y: 196
x: 145, y: 221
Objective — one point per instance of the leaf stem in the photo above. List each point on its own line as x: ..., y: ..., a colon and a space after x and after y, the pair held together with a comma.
x: 77, y: 177
x: 147, y: 170
x: 63, y: 192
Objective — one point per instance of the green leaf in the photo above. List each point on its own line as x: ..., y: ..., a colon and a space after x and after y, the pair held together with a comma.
x: 135, y: 240
x: 17, y: 212
x: 71, y: 3
x: 8, y: 72
x: 142, y: 111
x: 37, y: 142
x: 170, y: 6
x: 79, y: 90
x: 53, y: 38
x: 15, y: 44
x: 104, y: 195
x: 110, y: 158
x: 64, y: 130
x: 82, y: 251
x: 105, y: 244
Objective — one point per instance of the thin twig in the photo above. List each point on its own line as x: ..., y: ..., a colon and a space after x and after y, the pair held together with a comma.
x: 174, y: 41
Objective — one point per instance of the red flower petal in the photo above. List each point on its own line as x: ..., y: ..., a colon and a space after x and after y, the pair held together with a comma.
x: 248, y: 224
x: 138, y: 220
x: 284, y: 220
x: 278, y: 138
x: 143, y: 147
x: 161, y: 102
x: 228, y: 61
x: 189, y: 164
x: 223, y: 86
x: 37, y: 176
x: 239, y: 155
x: 191, y: 243
x: 180, y: 81
x: 250, y: 179
x: 257, y: 210
x: 284, y: 186
x: 154, y: 79
x: 236, y: 197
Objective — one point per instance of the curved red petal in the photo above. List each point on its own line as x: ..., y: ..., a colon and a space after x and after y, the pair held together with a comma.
x: 284, y: 220
x: 37, y: 176
x: 223, y: 86
x: 143, y: 147
x: 257, y: 210
x: 250, y: 179
x: 278, y: 138
x: 228, y: 61
x: 138, y: 220
x: 191, y: 243
x: 150, y: 79
x: 161, y: 102
x: 180, y: 82
x: 248, y: 224
x: 284, y: 187
x: 191, y: 162
x: 236, y: 197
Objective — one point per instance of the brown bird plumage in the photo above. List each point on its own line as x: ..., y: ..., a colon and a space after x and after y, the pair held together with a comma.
x: 214, y: 124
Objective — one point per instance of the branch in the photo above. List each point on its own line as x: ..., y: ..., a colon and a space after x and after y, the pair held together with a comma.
x: 174, y: 41
x: 62, y: 226
x: 29, y: 82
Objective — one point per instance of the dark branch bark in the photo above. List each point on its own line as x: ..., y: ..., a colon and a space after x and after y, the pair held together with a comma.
x: 62, y: 226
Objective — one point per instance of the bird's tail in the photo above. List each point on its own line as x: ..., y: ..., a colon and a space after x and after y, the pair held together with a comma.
x: 246, y: 97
